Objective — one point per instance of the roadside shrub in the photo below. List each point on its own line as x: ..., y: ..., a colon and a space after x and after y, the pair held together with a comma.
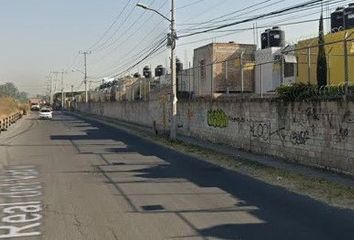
x: 301, y: 91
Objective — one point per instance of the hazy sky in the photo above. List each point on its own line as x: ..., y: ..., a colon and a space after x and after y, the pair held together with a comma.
x: 39, y: 36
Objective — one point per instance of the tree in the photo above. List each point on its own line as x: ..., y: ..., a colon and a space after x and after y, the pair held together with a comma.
x: 10, y: 90
x: 321, y: 59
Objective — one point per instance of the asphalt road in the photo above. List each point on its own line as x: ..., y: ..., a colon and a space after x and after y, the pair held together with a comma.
x: 71, y: 179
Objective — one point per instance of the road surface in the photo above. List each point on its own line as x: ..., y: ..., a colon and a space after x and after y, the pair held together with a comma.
x: 71, y: 179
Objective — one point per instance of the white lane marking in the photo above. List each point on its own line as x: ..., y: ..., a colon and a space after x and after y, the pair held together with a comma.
x: 20, y: 219
x: 18, y: 203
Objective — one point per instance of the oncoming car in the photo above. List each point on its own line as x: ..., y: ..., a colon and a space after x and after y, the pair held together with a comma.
x: 45, y: 113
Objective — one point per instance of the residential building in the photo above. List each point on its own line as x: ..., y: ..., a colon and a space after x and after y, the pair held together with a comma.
x: 307, y: 54
x: 223, y: 68
x: 275, y: 66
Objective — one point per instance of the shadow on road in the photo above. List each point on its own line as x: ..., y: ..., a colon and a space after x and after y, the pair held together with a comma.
x: 212, y: 201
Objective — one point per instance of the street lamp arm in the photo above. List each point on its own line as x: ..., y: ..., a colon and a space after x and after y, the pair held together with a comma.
x: 160, y: 14
x: 153, y: 10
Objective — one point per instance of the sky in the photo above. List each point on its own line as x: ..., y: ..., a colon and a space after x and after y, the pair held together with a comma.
x: 43, y: 36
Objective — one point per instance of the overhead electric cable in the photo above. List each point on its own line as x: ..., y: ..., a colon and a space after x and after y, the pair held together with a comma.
x: 252, y: 19
x: 111, y: 26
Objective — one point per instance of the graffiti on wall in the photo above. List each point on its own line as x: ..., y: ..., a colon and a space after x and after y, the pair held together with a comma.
x: 314, y: 118
x: 310, y: 114
x: 237, y: 119
x: 348, y: 117
x: 218, y: 119
x: 261, y: 130
x: 299, y: 137
x: 306, y: 125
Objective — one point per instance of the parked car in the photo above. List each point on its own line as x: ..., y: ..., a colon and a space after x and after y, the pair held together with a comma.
x: 45, y: 113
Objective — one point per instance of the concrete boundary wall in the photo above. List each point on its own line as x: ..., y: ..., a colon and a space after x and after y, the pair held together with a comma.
x: 319, y: 134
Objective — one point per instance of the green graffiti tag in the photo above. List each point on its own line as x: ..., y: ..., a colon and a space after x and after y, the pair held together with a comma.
x: 217, y: 119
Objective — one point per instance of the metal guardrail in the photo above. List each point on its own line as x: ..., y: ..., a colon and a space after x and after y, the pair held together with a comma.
x: 7, y: 121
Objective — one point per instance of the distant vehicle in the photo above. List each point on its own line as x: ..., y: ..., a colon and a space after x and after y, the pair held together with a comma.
x: 45, y: 113
x: 35, y: 107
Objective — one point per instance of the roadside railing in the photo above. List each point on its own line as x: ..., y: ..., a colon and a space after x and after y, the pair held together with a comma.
x: 7, y: 121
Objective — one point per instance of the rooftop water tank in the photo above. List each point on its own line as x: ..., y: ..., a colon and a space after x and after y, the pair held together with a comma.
x: 147, y: 72
x: 337, y: 20
x: 349, y: 16
x: 265, y: 39
x: 137, y: 75
x: 179, y: 65
x: 274, y: 37
x: 160, y: 71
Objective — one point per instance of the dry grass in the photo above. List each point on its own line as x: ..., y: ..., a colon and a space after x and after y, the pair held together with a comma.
x: 7, y: 106
x: 320, y: 189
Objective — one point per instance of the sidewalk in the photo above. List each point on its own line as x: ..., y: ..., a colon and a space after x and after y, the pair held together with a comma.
x: 272, y: 162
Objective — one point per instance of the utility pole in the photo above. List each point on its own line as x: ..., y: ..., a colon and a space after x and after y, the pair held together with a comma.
x: 85, y: 53
x: 62, y: 87
x: 346, y: 65
x: 309, y: 65
x: 172, y: 42
x: 62, y: 90
x: 52, y: 94
x: 71, y: 107
x: 174, y: 99
x: 50, y: 79
x: 242, y: 72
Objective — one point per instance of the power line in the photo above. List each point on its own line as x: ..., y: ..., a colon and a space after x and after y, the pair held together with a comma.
x: 161, y: 42
x: 233, y: 31
x: 273, y: 13
x: 129, y: 28
x: 256, y: 17
x: 111, y: 26
x: 156, y: 49
x: 124, y: 40
x: 102, y: 46
x: 157, y: 40
x: 232, y: 13
x: 190, y: 4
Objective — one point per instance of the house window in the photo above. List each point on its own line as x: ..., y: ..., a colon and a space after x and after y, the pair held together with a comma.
x: 202, y: 69
x: 289, y: 70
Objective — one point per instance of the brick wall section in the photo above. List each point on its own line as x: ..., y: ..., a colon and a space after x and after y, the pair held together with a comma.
x: 319, y: 134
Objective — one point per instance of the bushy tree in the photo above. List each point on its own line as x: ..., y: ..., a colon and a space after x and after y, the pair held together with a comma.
x: 10, y: 90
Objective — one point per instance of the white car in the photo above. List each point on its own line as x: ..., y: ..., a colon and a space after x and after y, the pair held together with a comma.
x: 45, y: 113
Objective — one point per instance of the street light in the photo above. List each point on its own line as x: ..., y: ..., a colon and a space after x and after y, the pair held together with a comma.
x: 173, y: 37
x: 142, y: 6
